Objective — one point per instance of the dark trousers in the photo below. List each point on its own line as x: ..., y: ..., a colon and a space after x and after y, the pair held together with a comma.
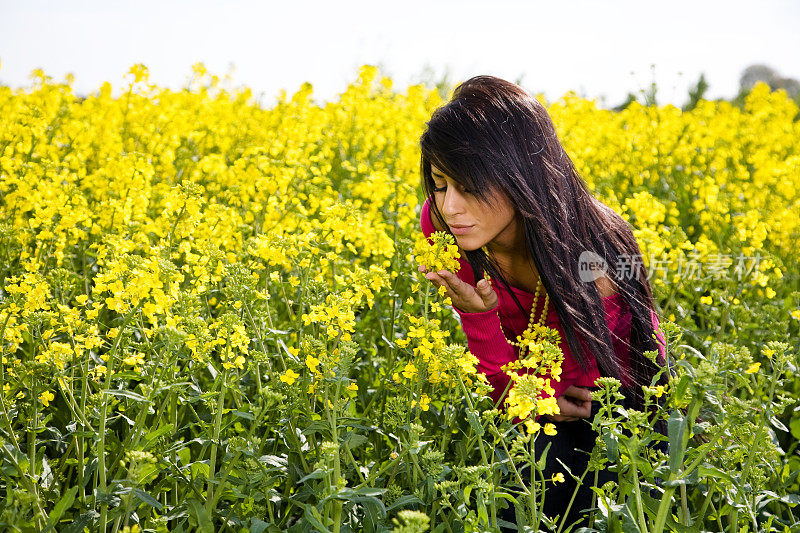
x: 571, y: 445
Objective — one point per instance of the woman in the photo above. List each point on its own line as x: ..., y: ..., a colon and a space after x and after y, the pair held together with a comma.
x: 498, y: 179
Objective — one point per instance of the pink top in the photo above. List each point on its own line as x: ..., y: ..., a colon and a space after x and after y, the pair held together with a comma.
x: 487, y: 333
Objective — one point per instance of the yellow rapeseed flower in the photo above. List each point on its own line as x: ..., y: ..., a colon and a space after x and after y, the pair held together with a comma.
x: 289, y: 377
x: 46, y: 397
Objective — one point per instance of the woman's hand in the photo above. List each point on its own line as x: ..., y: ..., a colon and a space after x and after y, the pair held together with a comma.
x: 465, y: 297
x: 575, y: 403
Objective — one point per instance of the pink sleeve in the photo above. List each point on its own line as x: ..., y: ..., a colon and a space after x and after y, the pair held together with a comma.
x: 662, y: 343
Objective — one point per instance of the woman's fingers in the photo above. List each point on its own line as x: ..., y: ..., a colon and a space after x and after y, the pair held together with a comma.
x: 562, y: 418
x: 458, y: 286
x: 464, y: 296
x: 575, y: 402
x: 578, y: 394
x: 487, y: 294
x: 439, y: 281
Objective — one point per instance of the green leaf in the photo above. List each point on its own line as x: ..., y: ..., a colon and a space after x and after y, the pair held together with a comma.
x: 402, y: 501
x: 612, y: 447
x: 319, y: 473
x: 153, y: 435
x: 314, y: 518
x: 629, y: 524
x: 794, y: 424
x: 364, y: 495
x: 199, y: 517
x: 77, y: 526
x: 128, y: 394
x: 691, y: 479
x: 257, y: 526
x: 676, y: 427
x: 64, y: 503
x: 354, y: 440
x: 707, y: 470
x: 149, y: 500
x: 475, y: 423
x: 777, y: 424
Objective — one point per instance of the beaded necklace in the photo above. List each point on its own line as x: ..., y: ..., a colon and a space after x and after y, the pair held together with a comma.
x: 532, y: 320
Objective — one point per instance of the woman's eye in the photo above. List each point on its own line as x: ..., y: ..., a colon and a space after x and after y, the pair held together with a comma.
x: 458, y: 187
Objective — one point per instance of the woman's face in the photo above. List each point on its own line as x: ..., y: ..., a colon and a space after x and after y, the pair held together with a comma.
x: 473, y: 223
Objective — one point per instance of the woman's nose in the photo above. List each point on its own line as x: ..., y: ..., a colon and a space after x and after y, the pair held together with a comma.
x: 453, y: 203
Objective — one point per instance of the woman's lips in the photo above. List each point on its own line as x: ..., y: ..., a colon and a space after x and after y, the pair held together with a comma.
x: 460, y: 230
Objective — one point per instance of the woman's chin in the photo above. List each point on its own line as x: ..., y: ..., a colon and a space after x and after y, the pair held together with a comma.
x: 467, y: 244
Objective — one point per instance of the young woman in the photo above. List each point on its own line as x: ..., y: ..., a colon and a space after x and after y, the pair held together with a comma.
x: 498, y: 179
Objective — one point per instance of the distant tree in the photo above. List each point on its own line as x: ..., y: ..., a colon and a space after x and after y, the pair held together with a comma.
x: 755, y: 73
x: 790, y: 85
x: 631, y: 98
x: 696, y: 94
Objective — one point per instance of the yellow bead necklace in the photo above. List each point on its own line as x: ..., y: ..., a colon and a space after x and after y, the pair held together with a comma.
x: 532, y: 321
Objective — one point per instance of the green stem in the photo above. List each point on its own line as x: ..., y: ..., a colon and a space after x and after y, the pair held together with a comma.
x: 101, y: 452
x: 217, y: 428
x: 638, y: 492
x: 484, y: 458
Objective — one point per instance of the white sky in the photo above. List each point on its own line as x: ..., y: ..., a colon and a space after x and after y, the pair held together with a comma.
x: 596, y: 47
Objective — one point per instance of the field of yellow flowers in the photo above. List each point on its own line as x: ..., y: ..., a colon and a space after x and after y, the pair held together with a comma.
x: 211, y: 317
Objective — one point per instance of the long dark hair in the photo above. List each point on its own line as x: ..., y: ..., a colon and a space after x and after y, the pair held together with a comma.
x: 493, y: 135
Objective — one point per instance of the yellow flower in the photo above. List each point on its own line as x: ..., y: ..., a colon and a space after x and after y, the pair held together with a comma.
x: 289, y: 377
x: 549, y: 429
x: 531, y: 426
x: 353, y: 387
x: 424, y: 402
x: 312, y: 363
x: 409, y: 371
x: 706, y: 300
x: 752, y: 369
x: 558, y: 477
x: 770, y: 293
x: 46, y: 397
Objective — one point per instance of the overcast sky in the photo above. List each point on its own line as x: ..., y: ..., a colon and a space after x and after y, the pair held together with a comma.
x: 600, y: 48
